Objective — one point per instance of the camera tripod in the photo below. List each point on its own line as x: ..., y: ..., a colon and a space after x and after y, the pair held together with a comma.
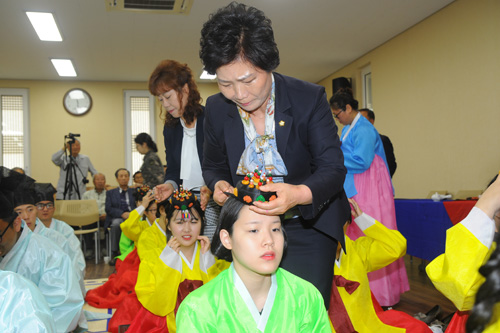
x: 71, y: 183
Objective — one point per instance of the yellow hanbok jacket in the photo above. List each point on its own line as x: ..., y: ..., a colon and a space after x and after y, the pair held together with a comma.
x: 131, y: 230
x: 468, y: 246
x: 455, y: 273
x: 152, y: 239
x: 135, y: 225
x: 380, y: 247
x: 161, y: 278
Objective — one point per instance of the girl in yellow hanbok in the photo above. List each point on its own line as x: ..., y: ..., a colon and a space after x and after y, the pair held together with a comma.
x: 120, y: 284
x: 458, y: 274
x: 184, y: 264
x: 352, y: 308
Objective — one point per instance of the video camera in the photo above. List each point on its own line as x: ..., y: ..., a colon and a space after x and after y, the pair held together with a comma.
x: 71, y: 137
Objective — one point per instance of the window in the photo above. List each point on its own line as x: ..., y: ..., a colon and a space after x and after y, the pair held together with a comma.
x: 14, y: 138
x: 139, y: 117
x: 366, y: 79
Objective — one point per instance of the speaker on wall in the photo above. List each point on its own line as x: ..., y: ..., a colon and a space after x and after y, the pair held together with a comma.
x: 341, y: 82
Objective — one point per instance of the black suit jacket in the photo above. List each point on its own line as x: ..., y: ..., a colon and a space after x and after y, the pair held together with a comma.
x: 172, y: 137
x: 389, y: 154
x: 113, y: 209
x: 307, y: 140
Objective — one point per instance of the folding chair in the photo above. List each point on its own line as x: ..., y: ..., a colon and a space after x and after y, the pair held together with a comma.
x: 79, y: 213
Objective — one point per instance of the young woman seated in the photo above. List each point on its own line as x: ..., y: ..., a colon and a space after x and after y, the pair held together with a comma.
x: 253, y: 294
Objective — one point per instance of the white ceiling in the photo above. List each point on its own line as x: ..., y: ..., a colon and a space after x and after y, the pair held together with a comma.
x: 315, y: 37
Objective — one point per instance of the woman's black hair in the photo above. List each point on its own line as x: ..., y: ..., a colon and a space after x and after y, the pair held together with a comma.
x: 140, y: 192
x: 146, y: 138
x: 488, y: 294
x: 236, y: 32
x: 228, y: 216
x: 342, y: 98
x: 170, y: 209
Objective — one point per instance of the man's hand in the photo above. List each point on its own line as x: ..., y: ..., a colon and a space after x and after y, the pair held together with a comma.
x: 125, y: 215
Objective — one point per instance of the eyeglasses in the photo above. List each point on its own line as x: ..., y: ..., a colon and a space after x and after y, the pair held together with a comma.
x: 336, y: 115
x: 41, y: 206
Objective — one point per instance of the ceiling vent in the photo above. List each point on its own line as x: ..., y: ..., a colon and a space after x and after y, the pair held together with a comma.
x: 180, y: 7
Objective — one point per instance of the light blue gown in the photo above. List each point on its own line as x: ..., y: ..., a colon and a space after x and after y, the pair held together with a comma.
x: 22, y: 306
x: 69, y: 246
x: 43, y: 263
x: 74, y: 243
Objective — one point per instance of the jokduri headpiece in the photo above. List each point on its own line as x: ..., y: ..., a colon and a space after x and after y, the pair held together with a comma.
x: 248, y: 189
x: 44, y: 192
x: 183, y: 200
x: 141, y: 191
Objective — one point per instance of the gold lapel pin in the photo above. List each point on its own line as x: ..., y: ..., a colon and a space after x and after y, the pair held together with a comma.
x: 282, y: 123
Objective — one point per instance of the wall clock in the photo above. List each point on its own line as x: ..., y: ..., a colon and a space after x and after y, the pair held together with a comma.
x: 77, y: 101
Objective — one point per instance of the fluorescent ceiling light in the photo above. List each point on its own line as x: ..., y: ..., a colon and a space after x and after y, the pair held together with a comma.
x: 45, y: 26
x: 64, y: 67
x: 205, y: 76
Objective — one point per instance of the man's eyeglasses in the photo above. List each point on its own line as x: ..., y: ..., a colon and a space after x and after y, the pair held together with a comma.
x: 336, y: 115
x: 41, y: 206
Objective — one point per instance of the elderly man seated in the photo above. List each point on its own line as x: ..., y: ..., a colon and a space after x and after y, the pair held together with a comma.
x: 98, y: 193
x: 119, y: 203
x: 36, y: 258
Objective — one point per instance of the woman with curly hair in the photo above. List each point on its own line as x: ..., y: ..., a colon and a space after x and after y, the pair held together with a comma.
x: 174, y: 85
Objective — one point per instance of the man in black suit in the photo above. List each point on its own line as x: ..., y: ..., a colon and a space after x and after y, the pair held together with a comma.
x: 119, y: 203
x: 389, y: 150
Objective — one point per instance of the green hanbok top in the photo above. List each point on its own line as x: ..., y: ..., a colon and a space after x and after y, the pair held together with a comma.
x: 225, y: 305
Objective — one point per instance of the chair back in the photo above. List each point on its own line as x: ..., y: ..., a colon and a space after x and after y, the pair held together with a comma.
x: 77, y: 212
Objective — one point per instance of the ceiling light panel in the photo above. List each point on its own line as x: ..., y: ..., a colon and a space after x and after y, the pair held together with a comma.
x: 45, y: 26
x: 64, y: 67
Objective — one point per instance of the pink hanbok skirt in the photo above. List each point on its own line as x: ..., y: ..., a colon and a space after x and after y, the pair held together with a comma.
x: 375, y: 197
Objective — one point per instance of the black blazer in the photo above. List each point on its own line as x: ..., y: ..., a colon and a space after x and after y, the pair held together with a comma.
x: 389, y: 154
x: 173, y: 147
x: 113, y: 209
x: 307, y: 140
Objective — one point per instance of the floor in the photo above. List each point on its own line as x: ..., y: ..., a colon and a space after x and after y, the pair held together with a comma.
x: 421, y: 297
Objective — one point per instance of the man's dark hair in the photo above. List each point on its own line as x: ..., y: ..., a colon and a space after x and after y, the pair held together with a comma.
x: 370, y: 113
x: 238, y: 31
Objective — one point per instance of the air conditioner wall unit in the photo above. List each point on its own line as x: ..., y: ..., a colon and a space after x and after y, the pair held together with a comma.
x: 178, y: 7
